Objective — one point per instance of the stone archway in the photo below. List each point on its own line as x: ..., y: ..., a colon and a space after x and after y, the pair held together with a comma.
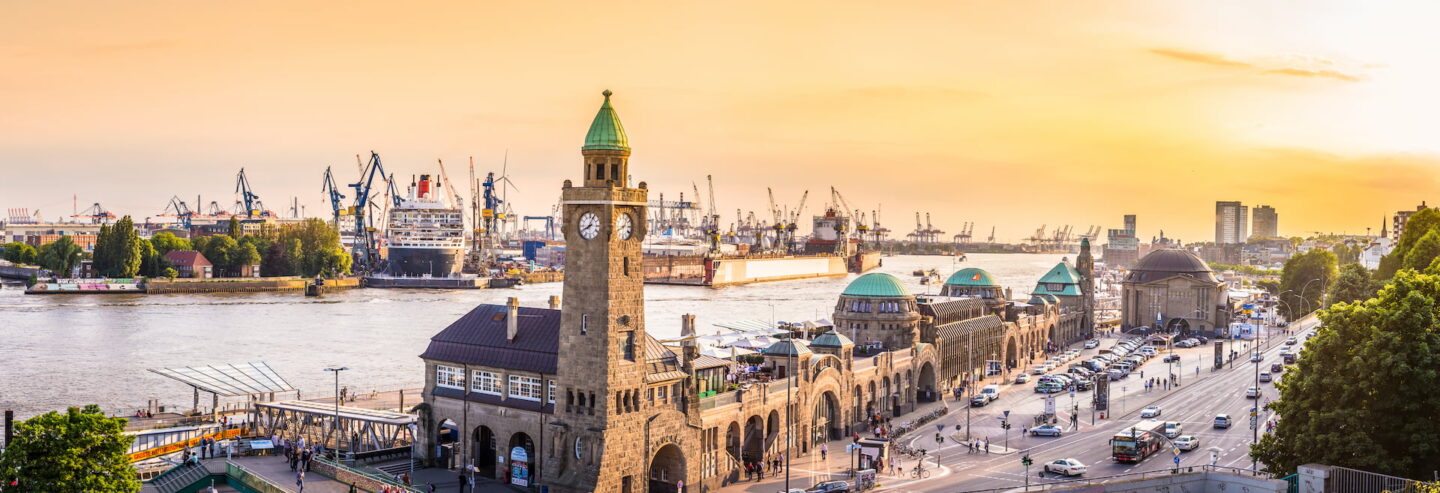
x: 482, y: 452
x: 926, y: 387
x: 732, y: 440
x: 521, y: 446
x: 772, y: 433
x: 1178, y: 326
x: 667, y: 469
x: 1012, y: 352
x: 826, y: 419
x: 754, y: 448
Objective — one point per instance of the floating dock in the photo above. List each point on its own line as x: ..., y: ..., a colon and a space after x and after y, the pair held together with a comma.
x: 439, y: 282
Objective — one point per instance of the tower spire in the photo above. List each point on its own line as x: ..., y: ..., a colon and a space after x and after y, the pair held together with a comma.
x: 606, y: 132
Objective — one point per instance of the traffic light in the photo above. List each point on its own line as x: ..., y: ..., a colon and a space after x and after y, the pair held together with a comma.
x: 1026, y: 461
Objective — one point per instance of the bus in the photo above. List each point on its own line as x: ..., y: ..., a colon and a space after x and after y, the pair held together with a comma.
x: 1137, y: 442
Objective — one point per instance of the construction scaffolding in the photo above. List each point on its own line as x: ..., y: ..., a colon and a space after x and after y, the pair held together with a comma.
x: 360, y: 430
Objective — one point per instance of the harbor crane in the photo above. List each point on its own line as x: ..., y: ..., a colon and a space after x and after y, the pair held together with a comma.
x: 247, y: 198
x: 366, y: 252
x: 932, y: 235
x: 711, y: 223
x: 792, y: 222
x: 96, y: 214
x: 876, y: 229
x: 336, y: 198
x: 917, y: 236
x: 991, y: 239
x: 966, y: 231
x: 180, y: 210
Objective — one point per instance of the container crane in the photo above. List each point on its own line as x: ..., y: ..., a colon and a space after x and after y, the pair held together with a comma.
x: 792, y: 225
x: 336, y: 198
x: 179, y: 209
x: 711, y: 224
x: 366, y: 250
x: 251, y: 202
x: 96, y: 213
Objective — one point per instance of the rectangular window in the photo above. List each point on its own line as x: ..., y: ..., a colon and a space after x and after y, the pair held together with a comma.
x: 584, y: 324
x: 449, y: 377
x: 550, y: 393
x: 486, y: 382
x: 599, y: 171
x: 522, y: 387
x: 628, y: 345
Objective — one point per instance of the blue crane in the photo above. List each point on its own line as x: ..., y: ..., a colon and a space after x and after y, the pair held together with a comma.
x: 252, y: 203
x: 179, y: 209
x: 335, y: 196
x: 366, y: 252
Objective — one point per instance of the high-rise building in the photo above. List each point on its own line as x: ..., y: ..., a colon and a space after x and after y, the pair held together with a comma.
x: 1265, y: 222
x: 1397, y: 227
x: 1230, y: 219
x: 1122, y: 247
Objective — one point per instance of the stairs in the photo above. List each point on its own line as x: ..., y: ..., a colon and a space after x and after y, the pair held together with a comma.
x: 179, y: 478
x: 401, y: 467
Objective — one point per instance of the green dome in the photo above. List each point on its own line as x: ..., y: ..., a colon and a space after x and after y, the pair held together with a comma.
x: 971, y: 276
x: 831, y: 339
x: 606, y: 132
x: 878, y: 285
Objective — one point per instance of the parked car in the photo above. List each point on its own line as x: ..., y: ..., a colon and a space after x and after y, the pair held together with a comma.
x: 1084, y: 385
x: 830, y: 487
x: 1116, y: 373
x: 979, y: 400
x: 1046, y: 430
x: 1092, y: 344
x: 1172, y: 357
x: 1222, y: 421
x: 1067, y: 467
x: 1049, y: 388
x: 1187, y: 443
x: 1203, y: 339
x: 1150, y: 412
x: 1039, y: 370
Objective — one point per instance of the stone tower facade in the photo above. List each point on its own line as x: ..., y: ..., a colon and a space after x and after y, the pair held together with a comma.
x: 1085, y: 264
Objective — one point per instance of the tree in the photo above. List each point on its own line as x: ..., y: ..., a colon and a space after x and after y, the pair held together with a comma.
x: 1304, y: 279
x: 217, y: 250
x: 1353, y: 284
x: 170, y: 273
x: 275, y: 263
x: 1371, y: 365
x: 242, y: 255
x: 60, y: 256
x: 1425, y: 250
x: 319, y: 249
x: 20, y: 253
x: 1419, y: 225
x: 117, y: 249
x: 235, y: 231
x: 76, y: 452
x: 150, y: 260
x: 1270, y: 285
x: 167, y: 242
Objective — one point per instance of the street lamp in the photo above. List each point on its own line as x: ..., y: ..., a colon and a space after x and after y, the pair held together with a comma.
x: 335, y: 426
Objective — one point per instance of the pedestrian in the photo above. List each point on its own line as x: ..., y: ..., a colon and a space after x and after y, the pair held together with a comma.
x: 824, y: 450
x: 987, y: 446
x: 1023, y: 430
x: 300, y: 480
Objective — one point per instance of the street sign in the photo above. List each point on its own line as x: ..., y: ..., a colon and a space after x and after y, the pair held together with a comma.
x: 1050, y: 405
x: 1177, y: 460
x: 1006, y: 413
x: 939, y: 427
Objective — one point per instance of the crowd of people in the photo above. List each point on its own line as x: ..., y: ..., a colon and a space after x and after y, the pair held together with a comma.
x: 755, y: 470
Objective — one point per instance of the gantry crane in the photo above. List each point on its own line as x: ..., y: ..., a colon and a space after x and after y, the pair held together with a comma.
x: 178, y: 209
x: 247, y: 198
x: 96, y: 214
x: 366, y: 253
x: 336, y: 198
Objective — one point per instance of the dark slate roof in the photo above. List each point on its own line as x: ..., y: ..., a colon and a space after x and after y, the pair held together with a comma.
x: 186, y: 257
x: 952, y: 309
x: 963, y: 327
x: 478, y: 338
x: 1169, y: 262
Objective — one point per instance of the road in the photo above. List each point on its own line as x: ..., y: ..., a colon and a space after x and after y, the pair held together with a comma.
x: 1194, y: 404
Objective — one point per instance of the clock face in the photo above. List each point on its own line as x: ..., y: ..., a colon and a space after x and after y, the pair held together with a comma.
x: 624, y: 226
x: 589, y: 225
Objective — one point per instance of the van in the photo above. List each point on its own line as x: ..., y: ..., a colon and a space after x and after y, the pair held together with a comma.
x: 991, y: 391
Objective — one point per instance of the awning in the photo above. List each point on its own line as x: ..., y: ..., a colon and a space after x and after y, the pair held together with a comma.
x: 230, y: 380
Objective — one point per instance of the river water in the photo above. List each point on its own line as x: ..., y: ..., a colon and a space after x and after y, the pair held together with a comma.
x: 65, y: 350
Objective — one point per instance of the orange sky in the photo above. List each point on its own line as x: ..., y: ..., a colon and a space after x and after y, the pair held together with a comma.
x: 1013, y: 114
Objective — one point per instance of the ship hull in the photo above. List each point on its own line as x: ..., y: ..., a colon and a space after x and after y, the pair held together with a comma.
x: 421, y: 262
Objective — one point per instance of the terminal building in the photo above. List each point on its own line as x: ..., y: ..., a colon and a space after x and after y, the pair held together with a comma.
x: 578, y: 397
x: 1173, y: 290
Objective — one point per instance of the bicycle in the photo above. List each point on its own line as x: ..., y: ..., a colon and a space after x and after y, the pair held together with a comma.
x: 920, y: 473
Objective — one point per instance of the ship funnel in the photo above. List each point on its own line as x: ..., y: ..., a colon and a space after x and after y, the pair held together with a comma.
x: 554, y: 302
x: 512, y: 319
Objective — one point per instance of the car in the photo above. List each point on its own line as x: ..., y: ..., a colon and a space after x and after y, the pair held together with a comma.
x: 1046, y: 430
x: 1264, y: 377
x: 829, y: 487
x: 991, y: 391
x: 1116, y: 373
x: 1022, y: 378
x: 1203, y: 339
x: 1084, y: 385
x: 1290, y: 341
x: 1039, y: 370
x: 1150, y: 412
x: 1276, y: 368
x: 980, y: 400
x: 1222, y: 421
x: 1092, y: 344
x: 1172, y: 429
x: 1288, y: 358
x: 1257, y: 358
x: 1148, y: 351
x: 1067, y: 467
x: 1187, y: 443
x: 1182, y: 344
x: 1252, y: 393
x: 1049, y: 388
x: 1172, y: 357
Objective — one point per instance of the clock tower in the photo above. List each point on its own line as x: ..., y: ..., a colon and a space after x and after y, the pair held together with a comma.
x: 602, y: 360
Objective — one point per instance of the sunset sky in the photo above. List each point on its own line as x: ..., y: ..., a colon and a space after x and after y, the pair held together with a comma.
x: 1008, y: 114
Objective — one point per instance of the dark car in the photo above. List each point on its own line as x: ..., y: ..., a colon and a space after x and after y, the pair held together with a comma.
x: 830, y: 487
x: 1276, y: 368
x: 1172, y: 357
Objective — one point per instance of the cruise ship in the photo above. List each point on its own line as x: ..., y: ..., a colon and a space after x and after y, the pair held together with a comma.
x: 425, y: 234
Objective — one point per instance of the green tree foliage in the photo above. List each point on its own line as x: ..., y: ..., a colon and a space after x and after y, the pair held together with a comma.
x: 170, y: 273
x: 217, y: 250
x: 235, y: 230
x: 1353, y: 284
x: 20, y: 253
x: 275, y: 262
x: 1425, y: 251
x: 117, y: 249
x: 1248, y: 270
x: 167, y: 242
x: 60, y: 256
x: 1363, y: 393
x: 1270, y: 285
x: 77, y: 452
x: 1419, y: 225
x: 1304, y: 279
x: 150, y: 260
x: 242, y: 255
x: 319, y: 249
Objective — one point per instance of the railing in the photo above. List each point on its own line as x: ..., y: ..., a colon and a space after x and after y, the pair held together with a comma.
x: 1073, y: 483
x: 255, y: 481
x: 1357, y: 481
x: 374, y: 476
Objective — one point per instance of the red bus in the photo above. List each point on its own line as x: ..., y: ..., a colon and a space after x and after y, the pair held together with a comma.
x: 1137, y: 442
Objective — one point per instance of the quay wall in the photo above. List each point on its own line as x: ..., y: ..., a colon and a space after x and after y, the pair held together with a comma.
x: 539, y: 277
x: 241, y: 285
x: 18, y: 272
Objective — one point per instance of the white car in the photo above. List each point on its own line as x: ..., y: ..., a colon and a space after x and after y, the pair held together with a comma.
x: 1039, y: 370
x: 1092, y: 344
x: 1150, y: 412
x: 1067, y: 467
x: 1252, y: 393
x: 1172, y: 429
x: 1022, y: 378
x: 1187, y: 443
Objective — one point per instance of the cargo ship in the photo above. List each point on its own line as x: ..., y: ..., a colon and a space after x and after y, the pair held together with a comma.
x: 830, y: 251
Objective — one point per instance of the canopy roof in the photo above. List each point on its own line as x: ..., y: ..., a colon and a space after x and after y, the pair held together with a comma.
x: 230, y: 380
x: 345, y: 412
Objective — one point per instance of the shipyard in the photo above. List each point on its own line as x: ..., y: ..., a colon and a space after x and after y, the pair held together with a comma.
x: 648, y: 247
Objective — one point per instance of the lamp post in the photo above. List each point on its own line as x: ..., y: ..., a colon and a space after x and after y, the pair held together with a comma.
x: 335, y: 426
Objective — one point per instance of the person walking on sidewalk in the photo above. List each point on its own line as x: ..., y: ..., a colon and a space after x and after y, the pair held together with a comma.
x: 824, y: 451
x: 300, y: 480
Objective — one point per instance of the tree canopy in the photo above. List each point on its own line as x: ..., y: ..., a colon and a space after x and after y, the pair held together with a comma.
x: 117, y: 249
x: 1419, y: 225
x: 1362, y: 394
x: 20, y: 253
x: 75, y: 452
x: 167, y: 242
x: 1304, y: 280
x: 1354, y: 283
x: 60, y: 256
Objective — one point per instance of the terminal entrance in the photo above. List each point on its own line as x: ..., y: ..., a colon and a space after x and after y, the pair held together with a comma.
x: 667, y: 470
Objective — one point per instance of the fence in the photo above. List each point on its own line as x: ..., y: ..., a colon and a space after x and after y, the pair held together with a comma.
x: 1134, y: 476
x: 1357, y: 481
x: 252, y: 480
x: 367, y: 480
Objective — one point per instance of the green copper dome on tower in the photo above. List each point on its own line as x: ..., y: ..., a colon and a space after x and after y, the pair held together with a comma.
x: 877, y: 285
x: 606, y: 132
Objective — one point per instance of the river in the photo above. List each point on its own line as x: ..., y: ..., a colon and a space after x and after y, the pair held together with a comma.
x: 66, y: 350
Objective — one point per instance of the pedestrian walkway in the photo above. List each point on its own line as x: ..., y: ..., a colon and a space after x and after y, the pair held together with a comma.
x: 277, y: 470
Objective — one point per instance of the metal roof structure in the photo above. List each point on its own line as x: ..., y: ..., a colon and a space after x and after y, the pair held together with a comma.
x: 606, y: 132
x: 230, y: 380
x: 877, y: 285
x: 346, y: 412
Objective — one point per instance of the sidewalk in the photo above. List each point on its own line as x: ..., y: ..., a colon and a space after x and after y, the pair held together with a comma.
x: 277, y: 471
